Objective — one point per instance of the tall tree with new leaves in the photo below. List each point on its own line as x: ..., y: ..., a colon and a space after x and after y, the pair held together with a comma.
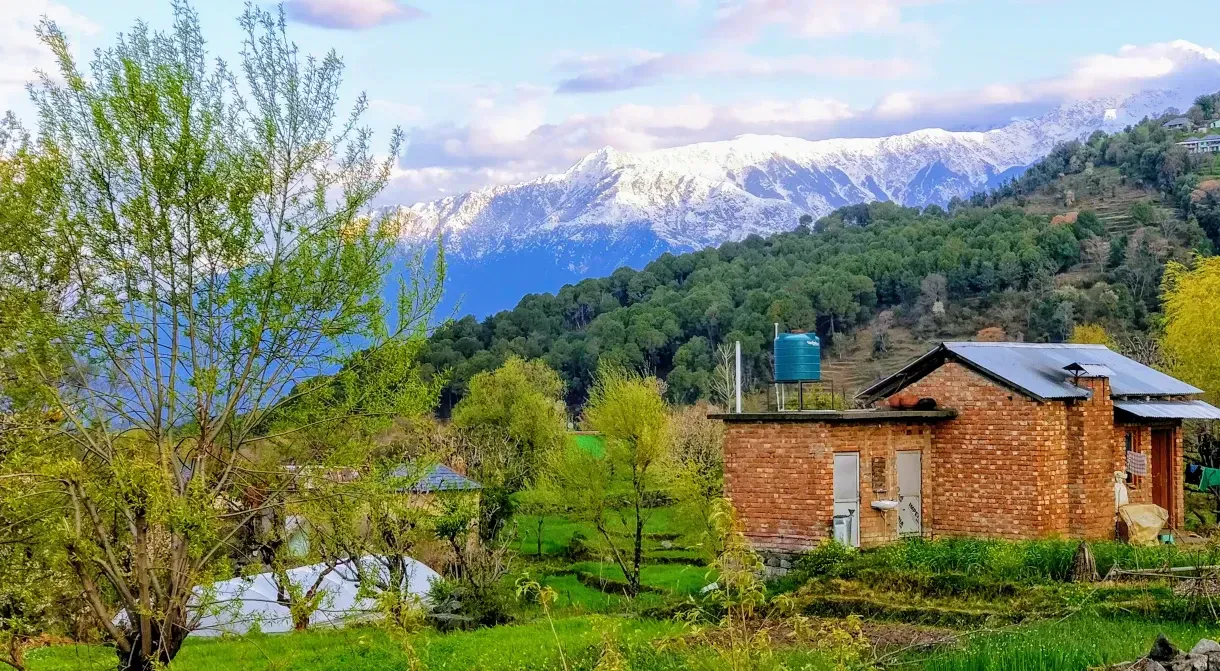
x: 1191, y: 299
x: 616, y: 491
x: 212, y: 246
x: 512, y: 421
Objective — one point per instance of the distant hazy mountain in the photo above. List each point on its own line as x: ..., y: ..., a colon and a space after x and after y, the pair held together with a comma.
x: 616, y: 209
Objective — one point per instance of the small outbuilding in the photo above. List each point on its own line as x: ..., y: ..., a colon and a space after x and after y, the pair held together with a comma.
x: 1179, y: 123
x: 1010, y: 440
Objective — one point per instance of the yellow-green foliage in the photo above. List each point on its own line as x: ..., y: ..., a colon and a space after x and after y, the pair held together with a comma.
x: 1091, y: 334
x: 617, y: 491
x: 1192, y: 302
x: 519, y: 406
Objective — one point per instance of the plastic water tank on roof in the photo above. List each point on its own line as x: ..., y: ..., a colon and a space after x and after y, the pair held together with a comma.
x: 798, y: 357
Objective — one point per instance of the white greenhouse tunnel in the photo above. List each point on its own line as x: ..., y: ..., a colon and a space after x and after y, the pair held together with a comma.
x: 244, y: 604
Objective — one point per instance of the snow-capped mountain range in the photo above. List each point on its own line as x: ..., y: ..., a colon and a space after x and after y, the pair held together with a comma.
x: 614, y: 208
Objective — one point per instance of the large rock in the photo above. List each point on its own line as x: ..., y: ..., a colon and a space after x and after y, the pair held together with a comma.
x: 1188, y: 663
x: 1163, y: 650
x: 1205, y: 646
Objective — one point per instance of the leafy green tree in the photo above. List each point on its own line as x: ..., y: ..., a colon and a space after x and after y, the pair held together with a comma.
x: 697, y: 456
x: 217, y: 251
x: 513, y: 419
x: 616, y: 491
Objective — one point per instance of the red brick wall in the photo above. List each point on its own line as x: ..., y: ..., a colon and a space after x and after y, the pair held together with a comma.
x: 1001, y: 465
x: 1090, y: 482
x: 1176, y: 476
x: 779, y: 476
x: 1006, y: 466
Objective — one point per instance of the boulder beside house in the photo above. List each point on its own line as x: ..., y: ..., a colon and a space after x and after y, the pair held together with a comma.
x: 1011, y: 440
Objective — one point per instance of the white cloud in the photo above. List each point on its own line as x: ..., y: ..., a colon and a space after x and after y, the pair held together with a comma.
x: 398, y: 113
x: 350, y: 14
x: 21, y: 53
x: 745, y: 19
x: 594, y: 73
x: 510, y: 138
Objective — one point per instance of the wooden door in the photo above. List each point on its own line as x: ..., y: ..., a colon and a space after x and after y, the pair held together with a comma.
x: 1162, y: 470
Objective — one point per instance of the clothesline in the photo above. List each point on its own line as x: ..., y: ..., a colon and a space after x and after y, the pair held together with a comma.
x: 1203, y: 477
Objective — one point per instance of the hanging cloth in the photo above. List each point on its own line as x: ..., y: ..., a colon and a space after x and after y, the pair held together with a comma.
x: 1210, y: 478
x: 1194, y: 473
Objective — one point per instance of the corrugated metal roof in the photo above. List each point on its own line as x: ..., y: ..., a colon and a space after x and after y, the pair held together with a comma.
x: 1038, y: 370
x: 1169, y: 409
x: 440, y: 478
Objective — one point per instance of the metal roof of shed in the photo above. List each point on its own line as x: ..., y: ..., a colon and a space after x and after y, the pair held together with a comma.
x: 1169, y: 409
x: 1038, y: 370
x: 439, y: 478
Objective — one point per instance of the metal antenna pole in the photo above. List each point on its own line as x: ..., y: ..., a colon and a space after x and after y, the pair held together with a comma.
x: 739, y: 377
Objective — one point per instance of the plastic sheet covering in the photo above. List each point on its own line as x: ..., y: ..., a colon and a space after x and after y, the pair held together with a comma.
x: 236, y: 606
x: 1144, y: 522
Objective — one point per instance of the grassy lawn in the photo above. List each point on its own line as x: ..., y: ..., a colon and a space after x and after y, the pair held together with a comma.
x: 676, y: 578
x: 665, y: 527
x: 526, y: 646
x: 1071, y: 644
x: 591, y: 443
x: 1068, y: 644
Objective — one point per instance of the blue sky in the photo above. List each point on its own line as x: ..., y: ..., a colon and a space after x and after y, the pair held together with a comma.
x: 495, y: 92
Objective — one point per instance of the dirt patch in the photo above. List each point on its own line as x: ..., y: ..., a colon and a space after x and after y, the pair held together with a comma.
x: 1203, y: 188
x: 890, y: 636
x: 1061, y: 219
x: 886, y: 639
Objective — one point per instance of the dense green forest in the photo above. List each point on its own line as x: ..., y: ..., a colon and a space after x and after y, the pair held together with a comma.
x: 994, y: 261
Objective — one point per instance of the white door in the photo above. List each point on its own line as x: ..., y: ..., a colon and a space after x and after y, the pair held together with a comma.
x: 847, y: 493
x: 910, y: 493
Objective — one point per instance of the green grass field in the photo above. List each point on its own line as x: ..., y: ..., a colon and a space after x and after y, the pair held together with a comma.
x: 1068, y: 644
x: 590, y: 442
x: 1071, y: 644
x: 526, y: 646
x: 669, y: 534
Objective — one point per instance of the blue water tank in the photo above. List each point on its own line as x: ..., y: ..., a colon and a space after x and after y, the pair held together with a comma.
x: 798, y: 357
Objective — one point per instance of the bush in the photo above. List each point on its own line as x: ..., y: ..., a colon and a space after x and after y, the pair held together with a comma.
x: 459, y: 604
x: 579, y: 548
x: 829, y: 559
x: 1047, y: 560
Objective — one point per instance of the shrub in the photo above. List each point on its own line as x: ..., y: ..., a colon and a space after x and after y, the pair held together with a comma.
x: 460, y: 604
x: 829, y: 559
x: 579, y: 548
x: 1048, y: 560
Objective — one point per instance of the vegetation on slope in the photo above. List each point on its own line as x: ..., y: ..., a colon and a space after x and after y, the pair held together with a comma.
x: 1001, y: 255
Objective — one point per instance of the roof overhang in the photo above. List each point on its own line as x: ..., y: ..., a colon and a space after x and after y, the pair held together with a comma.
x: 1164, y: 409
x: 917, y: 369
x: 837, y: 416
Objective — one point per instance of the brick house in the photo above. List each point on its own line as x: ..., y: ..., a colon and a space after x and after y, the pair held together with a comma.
x: 1024, y: 441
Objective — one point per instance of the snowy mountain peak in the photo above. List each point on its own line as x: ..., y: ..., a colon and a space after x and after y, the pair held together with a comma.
x: 615, y: 208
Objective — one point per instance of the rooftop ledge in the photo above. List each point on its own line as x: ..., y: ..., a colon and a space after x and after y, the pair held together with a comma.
x: 837, y: 416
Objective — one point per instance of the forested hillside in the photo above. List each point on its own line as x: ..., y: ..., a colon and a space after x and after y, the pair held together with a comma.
x: 1081, y: 238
